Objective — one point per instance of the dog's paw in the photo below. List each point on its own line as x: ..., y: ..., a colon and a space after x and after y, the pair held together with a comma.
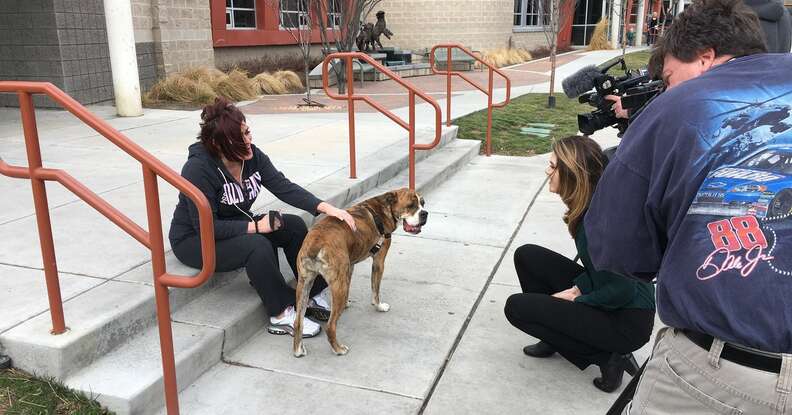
x: 382, y: 307
x: 342, y: 350
x: 300, y: 352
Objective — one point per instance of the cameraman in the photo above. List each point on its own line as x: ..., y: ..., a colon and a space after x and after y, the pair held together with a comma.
x: 722, y: 266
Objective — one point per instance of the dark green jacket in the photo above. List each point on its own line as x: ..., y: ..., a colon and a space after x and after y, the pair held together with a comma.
x: 607, y: 290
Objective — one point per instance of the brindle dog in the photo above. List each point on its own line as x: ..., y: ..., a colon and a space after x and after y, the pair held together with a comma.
x: 331, y: 249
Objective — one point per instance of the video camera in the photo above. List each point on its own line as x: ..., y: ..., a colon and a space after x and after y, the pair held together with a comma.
x: 635, y: 88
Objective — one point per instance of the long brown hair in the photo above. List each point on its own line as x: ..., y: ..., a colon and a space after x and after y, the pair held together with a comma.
x: 221, y: 130
x: 579, y: 167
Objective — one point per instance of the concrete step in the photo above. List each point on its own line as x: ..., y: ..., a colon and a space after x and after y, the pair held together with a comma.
x: 234, y: 310
x: 105, y: 316
x: 98, y: 320
x: 353, y: 375
x: 129, y: 380
x: 114, y: 325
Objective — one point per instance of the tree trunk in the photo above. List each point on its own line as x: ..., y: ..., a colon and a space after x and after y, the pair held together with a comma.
x: 307, y: 84
x: 554, y: 21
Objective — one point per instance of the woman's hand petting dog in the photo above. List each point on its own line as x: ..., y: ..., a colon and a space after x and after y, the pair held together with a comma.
x: 335, y: 212
x: 569, y: 294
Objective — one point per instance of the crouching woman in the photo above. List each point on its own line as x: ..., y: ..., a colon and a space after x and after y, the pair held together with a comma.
x: 586, y: 315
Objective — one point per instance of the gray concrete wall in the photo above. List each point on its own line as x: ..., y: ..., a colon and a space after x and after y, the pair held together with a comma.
x: 147, y: 68
x: 63, y: 42
x: 180, y: 29
x: 29, y: 45
x: 84, y: 51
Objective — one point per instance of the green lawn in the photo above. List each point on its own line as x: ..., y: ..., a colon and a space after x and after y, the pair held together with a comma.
x: 507, y: 122
x: 634, y: 60
x: 22, y: 394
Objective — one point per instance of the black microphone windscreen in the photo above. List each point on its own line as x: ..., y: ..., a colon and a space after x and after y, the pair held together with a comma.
x: 581, y: 81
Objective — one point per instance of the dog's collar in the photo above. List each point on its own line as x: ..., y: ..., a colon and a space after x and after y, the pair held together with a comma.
x: 381, y: 229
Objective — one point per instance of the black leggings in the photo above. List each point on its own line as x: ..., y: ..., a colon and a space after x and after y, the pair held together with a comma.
x: 583, y: 334
x: 258, y: 254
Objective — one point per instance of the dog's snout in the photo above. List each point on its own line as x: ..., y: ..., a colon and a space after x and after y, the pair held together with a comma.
x: 423, y: 216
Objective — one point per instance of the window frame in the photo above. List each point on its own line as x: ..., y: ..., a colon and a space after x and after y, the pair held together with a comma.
x: 229, y: 11
x: 525, y: 16
x: 300, y: 16
x: 334, y: 15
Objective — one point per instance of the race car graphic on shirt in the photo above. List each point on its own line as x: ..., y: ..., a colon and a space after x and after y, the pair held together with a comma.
x: 758, y: 185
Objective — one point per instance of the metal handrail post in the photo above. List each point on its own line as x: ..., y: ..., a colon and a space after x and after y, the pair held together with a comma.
x: 449, y: 70
x: 488, y: 151
x: 488, y: 91
x: 43, y: 222
x: 350, y: 97
x: 152, y: 169
x: 412, y: 140
x: 157, y: 247
x: 351, y: 114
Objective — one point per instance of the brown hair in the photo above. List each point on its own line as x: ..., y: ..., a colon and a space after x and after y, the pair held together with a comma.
x: 579, y: 167
x: 729, y: 27
x: 221, y: 130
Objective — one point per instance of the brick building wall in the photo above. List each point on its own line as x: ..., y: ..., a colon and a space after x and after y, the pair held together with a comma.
x: 58, y: 41
x: 478, y: 24
x: 172, y: 35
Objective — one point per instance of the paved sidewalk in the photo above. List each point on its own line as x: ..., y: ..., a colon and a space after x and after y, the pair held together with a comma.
x: 477, y: 218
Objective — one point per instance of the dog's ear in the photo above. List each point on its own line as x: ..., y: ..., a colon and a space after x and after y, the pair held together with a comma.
x: 390, y: 198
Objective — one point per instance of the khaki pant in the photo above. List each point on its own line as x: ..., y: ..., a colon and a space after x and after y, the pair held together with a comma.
x: 681, y: 378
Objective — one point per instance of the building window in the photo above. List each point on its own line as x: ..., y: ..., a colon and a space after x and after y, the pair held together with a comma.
x: 334, y: 13
x: 293, y: 13
x: 527, y: 12
x: 240, y: 14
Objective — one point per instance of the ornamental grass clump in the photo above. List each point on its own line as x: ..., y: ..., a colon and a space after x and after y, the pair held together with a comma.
x: 599, y: 39
x: 178, y: 88
x: 268, y: 84
x: 290, y: 80
x: 506, y: 56
x: 235, y: 86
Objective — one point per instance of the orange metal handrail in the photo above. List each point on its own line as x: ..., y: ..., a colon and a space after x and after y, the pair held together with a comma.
x: 152, y: 168
x: 492, y: 70
x: 350, y: 97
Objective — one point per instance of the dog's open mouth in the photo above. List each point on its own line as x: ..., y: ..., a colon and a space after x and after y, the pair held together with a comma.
x: 410, y: 228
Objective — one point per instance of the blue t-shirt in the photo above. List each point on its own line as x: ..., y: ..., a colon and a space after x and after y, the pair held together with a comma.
x: 699, y: 194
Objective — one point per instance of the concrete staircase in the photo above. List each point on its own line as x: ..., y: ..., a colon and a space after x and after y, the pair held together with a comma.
x: 112, y: 351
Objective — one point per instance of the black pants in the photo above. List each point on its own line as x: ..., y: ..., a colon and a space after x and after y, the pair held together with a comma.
x: 583, y: 334
x: 258, y: 254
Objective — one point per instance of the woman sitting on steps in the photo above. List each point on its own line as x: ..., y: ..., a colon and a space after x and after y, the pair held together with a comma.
x: 232, y: 172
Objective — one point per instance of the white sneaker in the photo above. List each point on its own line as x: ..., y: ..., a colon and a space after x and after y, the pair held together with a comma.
x: 319, y: 306
x: 285, y: 324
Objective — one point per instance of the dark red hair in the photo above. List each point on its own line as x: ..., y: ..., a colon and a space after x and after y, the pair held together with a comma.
x: 221, y: 130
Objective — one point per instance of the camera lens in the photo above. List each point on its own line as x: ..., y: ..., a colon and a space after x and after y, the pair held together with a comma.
x: 594, y: 121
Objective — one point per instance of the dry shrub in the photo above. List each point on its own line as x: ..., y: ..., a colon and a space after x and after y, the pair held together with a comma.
x: 290, y: 80
x: 268, y: 84
x: 180, y: 89
x: 543, y: 51
x: 507, y: 56
x: 202, y: 74
x: 235, y: 86
x: 276, y: 62
x: 599, y: 39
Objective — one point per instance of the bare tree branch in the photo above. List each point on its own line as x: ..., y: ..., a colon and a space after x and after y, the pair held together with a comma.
x: 552, y: 19
x: 341, y: 38
x: 301, y: 33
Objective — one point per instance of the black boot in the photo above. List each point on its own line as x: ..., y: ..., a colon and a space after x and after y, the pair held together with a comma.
x: 540, y: 349
x: 613, y: 371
